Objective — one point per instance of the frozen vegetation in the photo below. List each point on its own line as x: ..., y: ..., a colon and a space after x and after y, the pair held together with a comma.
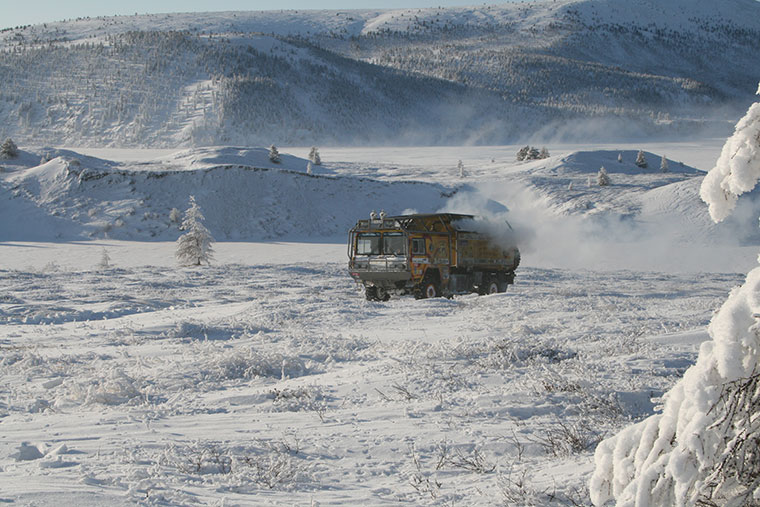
x: 703, y: 447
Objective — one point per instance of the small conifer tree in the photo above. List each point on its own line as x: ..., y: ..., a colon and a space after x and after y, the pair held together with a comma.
x: 544, y: 153
x: 9, y: 149
x: 523, y: 153
x: 603, y: 179
x: 175, y: 216
x: 314, y: 157
x: 620, y: 158
x: 194, y: 247
x: 460, y: 168
x: 308, y: 167
x: 641, y: 161
x: 105, y: 260
x: 274, y: 155
x: 664, y: 164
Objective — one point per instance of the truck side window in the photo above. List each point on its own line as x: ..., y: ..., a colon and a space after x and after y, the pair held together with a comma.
x: 418, y: 246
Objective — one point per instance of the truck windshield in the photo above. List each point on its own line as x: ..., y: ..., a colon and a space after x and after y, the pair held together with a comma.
x: 368, y: 244
x: 394, y: 244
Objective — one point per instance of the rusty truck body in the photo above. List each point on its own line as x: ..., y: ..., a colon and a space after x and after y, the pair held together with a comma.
x: 428, y: 255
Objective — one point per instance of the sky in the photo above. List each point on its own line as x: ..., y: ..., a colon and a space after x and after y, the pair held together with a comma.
x: 16, y: 13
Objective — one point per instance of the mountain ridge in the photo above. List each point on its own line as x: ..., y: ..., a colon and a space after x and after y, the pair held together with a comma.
x: 482, y: 75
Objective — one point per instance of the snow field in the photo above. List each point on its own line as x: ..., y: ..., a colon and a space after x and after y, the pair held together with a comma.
x: 279, y: 383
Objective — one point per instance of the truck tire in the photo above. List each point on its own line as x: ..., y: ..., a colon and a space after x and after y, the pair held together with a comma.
x: 430, y: 290
x: 370, y: 293
x: 492, y: 287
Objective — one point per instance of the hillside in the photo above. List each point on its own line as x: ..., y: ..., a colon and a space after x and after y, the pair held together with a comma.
x: 243, y: 195
x: 486, y: 75
x: 62, y: 195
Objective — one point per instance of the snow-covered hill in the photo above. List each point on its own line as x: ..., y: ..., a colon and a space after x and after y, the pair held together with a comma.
x: 64, y: 195
x: 486, y: 74
x: 243, y: 196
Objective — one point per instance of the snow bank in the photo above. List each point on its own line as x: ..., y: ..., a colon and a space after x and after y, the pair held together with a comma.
x: 702, y: 448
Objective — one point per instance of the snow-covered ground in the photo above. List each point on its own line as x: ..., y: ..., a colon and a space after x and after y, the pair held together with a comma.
x: 267, y: 378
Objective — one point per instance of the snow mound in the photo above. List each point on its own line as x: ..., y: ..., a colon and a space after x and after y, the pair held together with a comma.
x: 243, y: 196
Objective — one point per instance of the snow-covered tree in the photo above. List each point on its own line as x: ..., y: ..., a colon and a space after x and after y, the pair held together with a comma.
x: 308, y: 167
x: 274, y: 155
x: 641, y: 160
x: 620, y: 158
x: 460, y: 169
x: 314, y: 157
x: 704, y: 448
x: 522, y: 154
x: 9, y: 149
x: 105, y: 260
x: 603, y: 179
x: 544, y: 153
x: 175, y: 216
x: 194, y: 247
x: 664, y: 164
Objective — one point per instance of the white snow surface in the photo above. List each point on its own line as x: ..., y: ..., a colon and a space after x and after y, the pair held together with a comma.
x: 266, y: 378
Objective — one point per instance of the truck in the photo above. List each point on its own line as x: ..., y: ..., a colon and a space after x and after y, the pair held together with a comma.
x: 429, y: 255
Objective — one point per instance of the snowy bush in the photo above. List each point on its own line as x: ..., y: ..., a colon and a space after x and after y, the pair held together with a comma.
x: 8, y: 149
x: 703, y: 447
x: 641, y: 160
x: 602, y: 178
x: 105, y: 260
x: 194, y: 247
x: 532, y: 153
x: 314, y: 157
x: 460, y: 169
x: 274, y: 155
x: 664, y: 164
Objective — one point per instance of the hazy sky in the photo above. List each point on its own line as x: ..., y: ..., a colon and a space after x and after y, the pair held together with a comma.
x: 20, y: 12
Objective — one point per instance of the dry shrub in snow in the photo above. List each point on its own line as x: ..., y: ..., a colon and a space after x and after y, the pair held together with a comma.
x: 704, y: 448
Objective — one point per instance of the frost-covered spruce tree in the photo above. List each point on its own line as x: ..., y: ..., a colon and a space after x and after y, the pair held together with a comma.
x: 704, y: 448
x: 620, y: 158
x: 308, y: 167
x: 314, y: 157
x: 105, y: 260
x: 274, y: 155
x: 194, y: 247
x: 175, y: 216
x: 460, y: 169
x: 664, y: 164
x: 603, y: 179
x: 544, y: 153
x: 641, y: 160
x: 9, y: 149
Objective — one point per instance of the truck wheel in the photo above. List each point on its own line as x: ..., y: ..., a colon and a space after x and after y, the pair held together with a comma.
x: 492, y: 287
x: 370, y: 293
x: 430, y: 290
x: 381, y: 294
